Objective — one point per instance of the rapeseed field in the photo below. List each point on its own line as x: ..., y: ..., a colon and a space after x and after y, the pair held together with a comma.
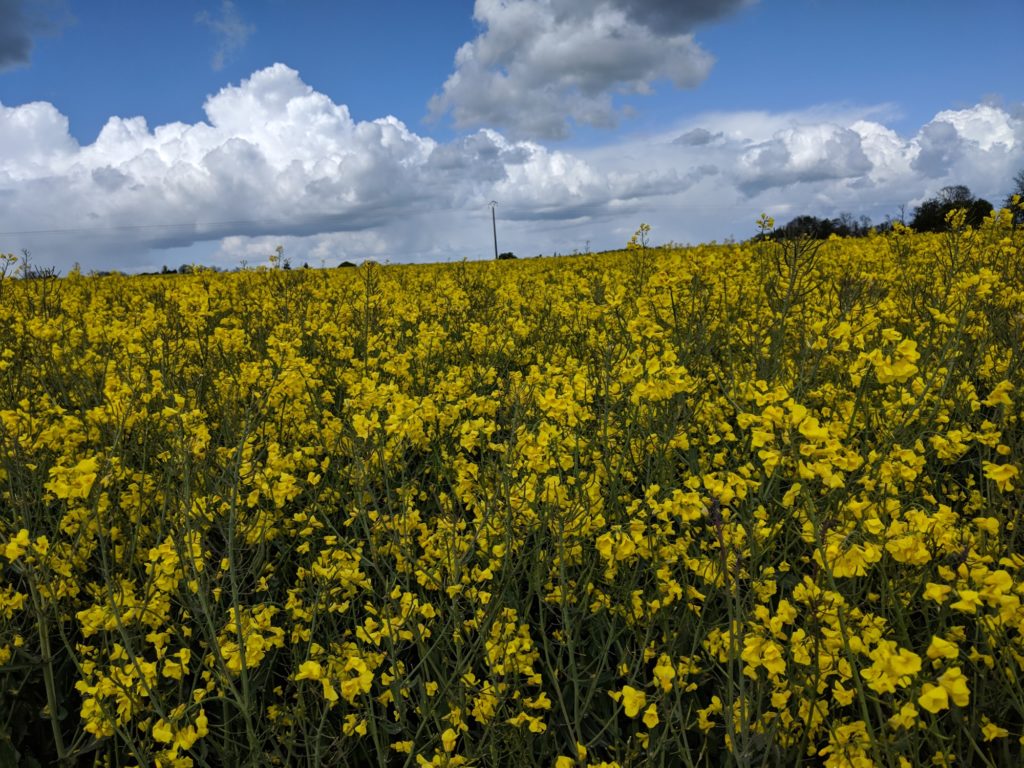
x: 751, y: 504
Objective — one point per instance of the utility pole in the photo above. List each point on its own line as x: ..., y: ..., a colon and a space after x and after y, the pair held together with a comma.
x: 494, y: 227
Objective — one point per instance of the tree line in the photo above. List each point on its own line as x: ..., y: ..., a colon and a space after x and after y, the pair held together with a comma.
x: 929, y: 216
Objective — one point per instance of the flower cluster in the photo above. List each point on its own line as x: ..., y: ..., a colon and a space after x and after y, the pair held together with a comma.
x: 655, y: 507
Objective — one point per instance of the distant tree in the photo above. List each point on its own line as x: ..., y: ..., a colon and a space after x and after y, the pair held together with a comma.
x: 815, y: 228
x: 346, y: 264
x: 506, y: 255
x: 804, y: 226
x: 930, y: 216
x: 1018, y: 190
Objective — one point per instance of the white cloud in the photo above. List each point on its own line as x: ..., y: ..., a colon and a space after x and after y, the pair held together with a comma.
x: 985, y: 125
x: 231, y: 30
x: 540, y: 63
x: 33, y: 138
x: 884, y: 148
x: 278, y: 159
x: 802, y: 154
x: 821, y: 161
x: 277, y: 162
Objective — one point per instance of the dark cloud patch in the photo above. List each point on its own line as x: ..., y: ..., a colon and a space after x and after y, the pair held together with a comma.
x: 23, y: 20
x: 697, y: 137
x: 679, y: 15
x: 940, y: 149
x: 109, y: 179
x: 15, y: 35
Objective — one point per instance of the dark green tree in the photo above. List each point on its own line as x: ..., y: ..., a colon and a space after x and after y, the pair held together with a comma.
x: 1017, y: 189
x: 930, y: 216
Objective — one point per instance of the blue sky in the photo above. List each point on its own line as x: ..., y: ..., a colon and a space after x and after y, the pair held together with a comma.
x: 380, y: 130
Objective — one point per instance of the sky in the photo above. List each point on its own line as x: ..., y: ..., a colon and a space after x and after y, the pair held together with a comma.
x: 137, y: 135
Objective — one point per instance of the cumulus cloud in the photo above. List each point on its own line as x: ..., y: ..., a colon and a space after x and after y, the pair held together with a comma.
x: 801, y: 154
x: 939, y: 145
x: 231, y: 30
x: 276, y: 158
x: 540, y: 63
x: 986, y: 125
x: 821, y: 161
x: 276, y: 162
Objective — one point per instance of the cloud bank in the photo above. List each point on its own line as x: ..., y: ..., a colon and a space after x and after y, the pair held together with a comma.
x: 821, y: 161
x: 540, y: 64
x: 274, y: 158
x: 277, y: 162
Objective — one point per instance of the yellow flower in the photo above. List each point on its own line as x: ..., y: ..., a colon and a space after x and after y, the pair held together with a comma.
x: 905, y: 718
x: 354, y: 725
x: 16, y: 547
x: 540, y: 701
x: 202, y: 723
x: 999, y: 395
x: 651, y: 716
x: 632, y: 700
x: 990, y: 731
x: 448, y: 739
x: 933, y: 698
x: 842, y: 695
x: 936, y: 592
x: 1001, y: 474
x: 705, y: 714
x: 905, y: 662
x: 955, y: 683
x: 968, y: 602
x: 893, y: 667
x: 310, y: 670
x: 664, y: 673
x: 162, y: 732
x: 329, y: 692
x: 942, y: 649
x: 762, y: 652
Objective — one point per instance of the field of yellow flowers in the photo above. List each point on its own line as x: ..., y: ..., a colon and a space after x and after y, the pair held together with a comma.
x: 752, y: 504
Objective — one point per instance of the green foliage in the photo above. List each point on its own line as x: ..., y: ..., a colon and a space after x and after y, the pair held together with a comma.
x: 931, y: 215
